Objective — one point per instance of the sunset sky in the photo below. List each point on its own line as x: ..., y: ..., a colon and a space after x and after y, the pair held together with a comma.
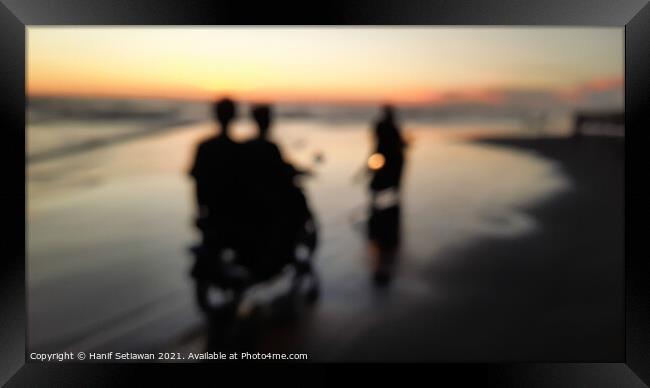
x: 403, y: 65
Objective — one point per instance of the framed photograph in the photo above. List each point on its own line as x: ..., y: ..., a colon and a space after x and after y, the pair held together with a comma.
x: 226, y: 184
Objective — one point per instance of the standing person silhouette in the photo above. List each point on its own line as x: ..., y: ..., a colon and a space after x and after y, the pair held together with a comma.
x: 217, y: 175
x: 386, y: 165
x: 387, y: 161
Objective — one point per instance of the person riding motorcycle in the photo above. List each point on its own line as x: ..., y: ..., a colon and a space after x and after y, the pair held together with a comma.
x: 252, y: 214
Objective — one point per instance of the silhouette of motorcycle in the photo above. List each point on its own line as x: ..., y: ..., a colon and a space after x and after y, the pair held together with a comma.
x: 224, y: 271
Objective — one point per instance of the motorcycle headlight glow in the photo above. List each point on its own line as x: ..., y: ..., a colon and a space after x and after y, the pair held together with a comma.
x: 376, y: 161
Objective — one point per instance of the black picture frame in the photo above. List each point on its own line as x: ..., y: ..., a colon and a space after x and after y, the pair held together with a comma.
x: 634, y: 15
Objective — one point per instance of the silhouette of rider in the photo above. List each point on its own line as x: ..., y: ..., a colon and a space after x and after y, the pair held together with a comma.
x: 216, y: 171
x: 279, y: 206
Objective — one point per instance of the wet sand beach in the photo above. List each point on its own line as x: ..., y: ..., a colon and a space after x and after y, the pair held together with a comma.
x: 555, y: 293
x: 512, y: 249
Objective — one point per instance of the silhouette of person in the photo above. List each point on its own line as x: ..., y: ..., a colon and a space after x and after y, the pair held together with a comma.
x: 267, y: 167
x: 216, y: 172
x: 388, y: 153
x: 279, y: 206
x: 266, y: 150
x: 386, y: 165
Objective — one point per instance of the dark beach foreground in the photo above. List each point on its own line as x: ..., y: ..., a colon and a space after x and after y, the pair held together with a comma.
x: 553, y: 294
x: 556, y: 294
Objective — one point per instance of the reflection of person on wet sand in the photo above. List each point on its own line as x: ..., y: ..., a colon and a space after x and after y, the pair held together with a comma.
x: 383, y: 241
x: 386, y: 165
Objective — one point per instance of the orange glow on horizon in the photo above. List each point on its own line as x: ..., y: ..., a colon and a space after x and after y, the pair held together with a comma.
x: 402, y: 97
x: 601, y: 84
x: 332, y: 65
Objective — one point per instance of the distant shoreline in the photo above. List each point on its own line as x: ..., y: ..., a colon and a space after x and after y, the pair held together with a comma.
x: 91, y: 145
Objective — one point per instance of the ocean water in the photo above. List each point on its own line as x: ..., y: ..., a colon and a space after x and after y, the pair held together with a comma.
x: 109, y: 223
x: 58, y: 126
